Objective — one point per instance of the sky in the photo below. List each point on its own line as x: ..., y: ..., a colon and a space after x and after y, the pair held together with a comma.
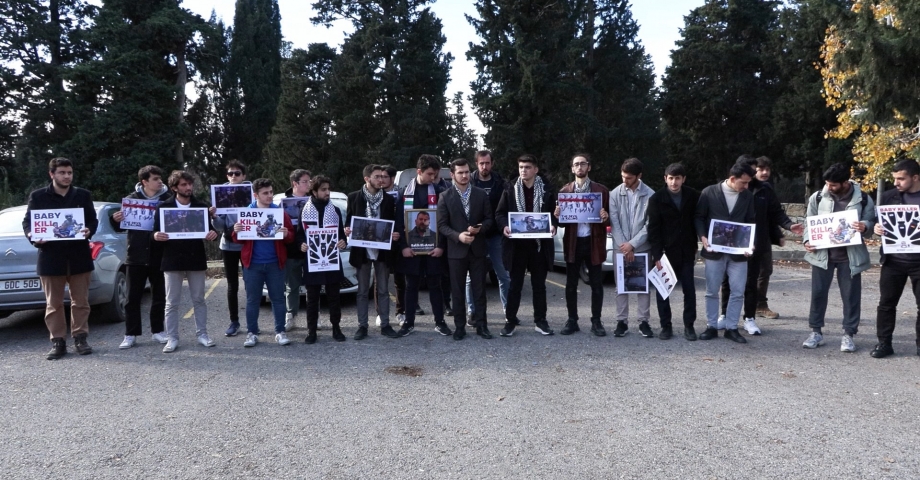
x: 659, y: 21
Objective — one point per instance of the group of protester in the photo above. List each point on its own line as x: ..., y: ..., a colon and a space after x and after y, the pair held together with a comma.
x: 472, y: 226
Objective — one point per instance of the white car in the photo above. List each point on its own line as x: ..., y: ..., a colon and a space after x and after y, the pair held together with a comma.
x: 559, y: 258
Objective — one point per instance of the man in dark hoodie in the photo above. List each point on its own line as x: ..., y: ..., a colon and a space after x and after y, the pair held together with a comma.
x: 301, y: 180
x: 142, y: 264
x: 490, y: 181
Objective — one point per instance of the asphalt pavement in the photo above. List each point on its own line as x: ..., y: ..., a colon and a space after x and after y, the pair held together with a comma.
x: 426, y: 406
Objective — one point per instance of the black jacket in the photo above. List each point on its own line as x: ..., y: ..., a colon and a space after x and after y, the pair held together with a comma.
x: 66, y: 256
x: 142, y: 249
x: 769, y: 216
x: 293, y: 248
x: 495, y: 194
x: 321, y: 278
x: 419, y: 264
x: 186, y: 254
x: 712, y: 206
x: 670, y: 230
x: 509, y: 204
x: 452, y: 221
x: 357, y: 206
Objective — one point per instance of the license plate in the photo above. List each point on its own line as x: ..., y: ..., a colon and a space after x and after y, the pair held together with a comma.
x: 27, y: 284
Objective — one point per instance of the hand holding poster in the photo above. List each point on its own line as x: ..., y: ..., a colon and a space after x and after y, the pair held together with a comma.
x: 184, y: 223
x: 900, y: 228
x: 529, y: 225
x: 833, y: 229
x: 731, y: 237
x: 322, y: 252
x: 139, y: 213
x: 580, y: 207
x: 371, y: 233
x: 62, y: 224
x: 632, y: 276
x: 261, y: 224
x: 663, y: 279
x: 230, y: 198
x: 422, y: 239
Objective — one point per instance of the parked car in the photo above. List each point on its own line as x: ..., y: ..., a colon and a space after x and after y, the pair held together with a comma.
x: 20, y: 288
x: 608, y: 266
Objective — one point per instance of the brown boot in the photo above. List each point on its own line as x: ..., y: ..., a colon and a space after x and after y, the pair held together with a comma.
x: 81, y: 346
x: 764, y: 311
x: 58, y: 349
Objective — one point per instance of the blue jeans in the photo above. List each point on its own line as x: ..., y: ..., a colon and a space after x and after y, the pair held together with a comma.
x: 494, y: 244
x: 272, y: 276
x: 737, y: 278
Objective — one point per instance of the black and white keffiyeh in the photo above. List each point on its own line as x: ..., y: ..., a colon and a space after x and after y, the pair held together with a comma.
x: 584, y: 188
x: 310, y: 216
x: 537, y: 195
x: 372, y: 209
x: 464, y: 199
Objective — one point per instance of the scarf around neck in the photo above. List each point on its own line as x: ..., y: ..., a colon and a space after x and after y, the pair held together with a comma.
x: 372, y: 209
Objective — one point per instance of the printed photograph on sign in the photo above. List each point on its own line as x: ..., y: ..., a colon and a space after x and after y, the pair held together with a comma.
x: 529, y: 225
x: 632, y: 276
x: 421, y: 237
x: 53, y: 225
x: 580, y: 207
x: 833, y: 229
x: 184, y: 223
x: 901, y: 228
x: 260, y: 224
x: 322, y: 254
x: 663, y: 278
x: 371, y: 233
x: 293, y: 206
x: 139, y: 213
x: 731, y: 237
x: 231, y: 198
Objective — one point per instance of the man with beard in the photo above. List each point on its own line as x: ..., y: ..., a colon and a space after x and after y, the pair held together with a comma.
x: 421, y: 237
x: 494, y: 185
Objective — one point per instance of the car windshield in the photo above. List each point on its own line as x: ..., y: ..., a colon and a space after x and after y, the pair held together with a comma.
x: 11, y: 222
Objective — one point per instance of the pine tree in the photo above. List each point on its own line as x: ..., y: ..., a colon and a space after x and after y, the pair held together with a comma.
x: 463, y: 138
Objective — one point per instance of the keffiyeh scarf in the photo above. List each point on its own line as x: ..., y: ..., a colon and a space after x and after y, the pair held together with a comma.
x: 310, y: 215
x: 537, y: 198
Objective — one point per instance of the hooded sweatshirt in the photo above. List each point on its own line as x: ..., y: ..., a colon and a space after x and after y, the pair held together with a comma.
x: 141, y: 249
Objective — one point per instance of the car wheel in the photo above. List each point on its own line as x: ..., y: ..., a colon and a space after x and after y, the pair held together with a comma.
x: 114, y: 311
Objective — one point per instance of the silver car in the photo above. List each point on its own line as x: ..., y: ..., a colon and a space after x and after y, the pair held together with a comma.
x: 20, y: 288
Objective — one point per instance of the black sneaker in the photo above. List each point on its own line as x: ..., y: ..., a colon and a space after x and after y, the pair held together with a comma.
x: 708, y: 334
x: 405, y: 330
x: 666, y: 333
x: 419, y: 311
x: 81, y: 346
x: 337, y: 334
x: 690, y: 333
x: 570, y: 327
x: 597, y: 328
x: 621, y: 329
x: 646, y: 330
x: 542, y: 327
x: 311, y: 337
x: 448, y: 312
x: 361, y: 334
x: 733, y: 335
x: 443, y: 329
x: 459, y: 333
x: 58, y: 349
x: 882, y: 350
x: 388, y: 332
x: 470, y: 323
x: 508, y: 329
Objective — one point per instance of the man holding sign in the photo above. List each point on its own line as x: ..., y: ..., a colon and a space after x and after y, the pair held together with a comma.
x: 64, y: 263
x: 839, y: 195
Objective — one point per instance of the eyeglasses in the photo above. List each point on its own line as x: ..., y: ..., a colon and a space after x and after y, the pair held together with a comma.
x: 380, y: 177
x: 304, y: 182
x: 234, y: 173
x: 580, y: 164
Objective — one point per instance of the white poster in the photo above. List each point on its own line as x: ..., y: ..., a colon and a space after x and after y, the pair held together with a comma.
x: 322, y: 253
x: 61, y: 224
x: 580, y: 207
x: 730, y: 237
x: 632, y: 277
x: 833, y: 229
x: 371, y: 233
x: 184, y: 223
x: 231, y: 198
x: 529, y: 225
x: 663, y: 279
x: 260, y: 223
x: 139, y: 213
x: 900, y: 228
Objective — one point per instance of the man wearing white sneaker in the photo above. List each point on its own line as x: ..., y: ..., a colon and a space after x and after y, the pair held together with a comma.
x: 263, y: 265
x: 142, y: 264
x: 301, y: 180
x: 184, y: 259
x: 839, y: 194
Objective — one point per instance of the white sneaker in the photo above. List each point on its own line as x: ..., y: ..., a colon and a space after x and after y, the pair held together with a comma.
x: 401, y: 319
x: 846, y: 344
x: 128, y: 342
x: 377, y: 321
x: 751, y: 326
x: 281, y: 338
x: 251, y: 340
x: 205, y: 340
x: 720, y: 324
x: 814, y: 340
x: 171, y: 345
x: 288, y: 322
x: 160, y: 337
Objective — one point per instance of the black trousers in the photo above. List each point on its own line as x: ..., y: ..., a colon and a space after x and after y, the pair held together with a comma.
x: 750, y: 287
x: 524, y: 258
x: 435, y: 296
x: 400, y: 281
x: 232, y: 272
x: 332, y: 298
x: 459, y: 267
x: 684, y: 272
x: 891, y: 283
x: 137, y: 278
x: 595, y: 280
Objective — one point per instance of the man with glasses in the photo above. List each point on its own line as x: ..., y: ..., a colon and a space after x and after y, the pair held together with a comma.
x: 293, y: 268
x: 232, y: 251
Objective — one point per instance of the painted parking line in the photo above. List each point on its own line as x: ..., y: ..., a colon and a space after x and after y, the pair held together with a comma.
x: 207, y: 294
